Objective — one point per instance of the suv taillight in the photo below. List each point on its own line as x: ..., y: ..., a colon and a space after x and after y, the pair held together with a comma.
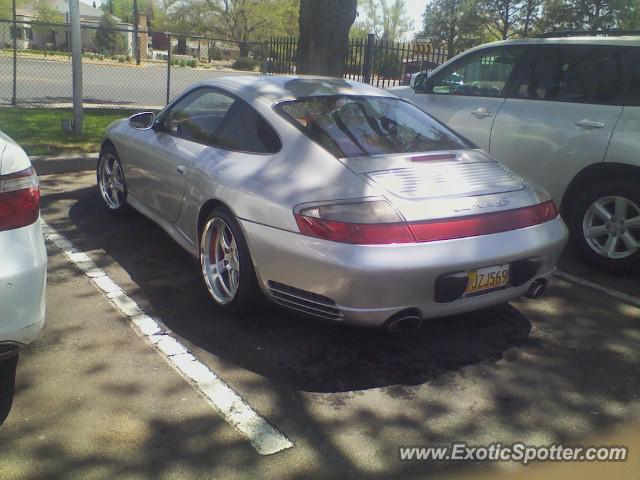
x: 19, y: 199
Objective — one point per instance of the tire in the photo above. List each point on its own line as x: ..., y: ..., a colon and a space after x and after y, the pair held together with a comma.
x: 243, y: 294
x: 7, y: 385
x: 613, y: 198
x: 111, y: 183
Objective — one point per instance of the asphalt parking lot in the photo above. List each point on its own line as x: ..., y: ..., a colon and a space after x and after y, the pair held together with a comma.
x: 96, y: 400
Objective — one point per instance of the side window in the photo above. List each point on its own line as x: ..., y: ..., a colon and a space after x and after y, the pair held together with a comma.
x: 210, y: 117
x: 197, y: 116
x: 244, y: 129
x: 482, y: 74
x: 578, y: 74
x: 634, y: 80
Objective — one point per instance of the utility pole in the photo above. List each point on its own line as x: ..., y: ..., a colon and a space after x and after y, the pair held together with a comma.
x: 136, y: 32
x: 76, y: 64
x: 15, y: 56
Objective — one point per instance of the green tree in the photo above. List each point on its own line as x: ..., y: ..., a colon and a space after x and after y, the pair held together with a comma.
x: 589, y: 15
x: 45, y: 13
x: 108, y: 41
x: 500, y: 16
x: 388, y: 19
x: 454, y: 23
x: 6, y: 8
x: 240, y: 21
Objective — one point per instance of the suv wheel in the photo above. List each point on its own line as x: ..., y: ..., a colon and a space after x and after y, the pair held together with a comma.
x: 605, y: 224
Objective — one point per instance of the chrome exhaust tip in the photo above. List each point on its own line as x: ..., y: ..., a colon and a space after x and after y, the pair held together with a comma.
x: 537, y: 288
x: 404, y: 323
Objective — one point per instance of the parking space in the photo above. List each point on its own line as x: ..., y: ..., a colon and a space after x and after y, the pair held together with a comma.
x: 95, y: 400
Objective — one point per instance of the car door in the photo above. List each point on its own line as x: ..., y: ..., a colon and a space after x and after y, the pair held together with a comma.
x: 468, y: 94
x: 560, y: 114
x: 625, y: 141
x: 160, y: 159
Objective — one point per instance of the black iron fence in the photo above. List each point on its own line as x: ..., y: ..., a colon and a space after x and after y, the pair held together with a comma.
x: 378, y: 62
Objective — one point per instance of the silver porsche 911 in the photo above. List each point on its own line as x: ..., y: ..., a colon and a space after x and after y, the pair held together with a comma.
x: 332, y: 198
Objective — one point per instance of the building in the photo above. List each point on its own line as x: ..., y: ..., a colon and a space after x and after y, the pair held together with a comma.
x: 57, y: 38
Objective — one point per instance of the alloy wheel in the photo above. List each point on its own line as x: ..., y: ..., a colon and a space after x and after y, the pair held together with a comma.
x: 111, y: 181
x: 611, y: 227
x: 220, y: 261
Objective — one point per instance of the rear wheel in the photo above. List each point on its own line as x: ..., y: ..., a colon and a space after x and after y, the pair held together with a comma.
x: 225, y: 262
x: 111, y: 183
x: 7, y: 385
x: 605, y: 224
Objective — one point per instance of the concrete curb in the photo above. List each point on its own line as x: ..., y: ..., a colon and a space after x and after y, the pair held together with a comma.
x: 52, y: 164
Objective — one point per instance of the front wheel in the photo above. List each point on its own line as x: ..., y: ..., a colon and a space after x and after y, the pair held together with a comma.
x: 111, y: 183
x: 605, y: 224
x: 225, y: 262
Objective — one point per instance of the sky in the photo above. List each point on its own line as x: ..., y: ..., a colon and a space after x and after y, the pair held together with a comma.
x: 415, y: 8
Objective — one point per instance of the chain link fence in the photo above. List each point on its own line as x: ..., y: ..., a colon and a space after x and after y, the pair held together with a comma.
x: 35, y: 64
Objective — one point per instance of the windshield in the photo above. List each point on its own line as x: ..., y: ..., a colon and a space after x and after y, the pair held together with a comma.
x: 352, y: 126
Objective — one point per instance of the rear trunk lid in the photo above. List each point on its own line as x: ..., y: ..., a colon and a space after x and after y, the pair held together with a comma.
x: 443, y: 184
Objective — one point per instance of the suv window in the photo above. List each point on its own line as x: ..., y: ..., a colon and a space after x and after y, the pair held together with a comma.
x: 213, y: 118
x: 576, y: 73
x: 483, y: 74
x: 634, y: 80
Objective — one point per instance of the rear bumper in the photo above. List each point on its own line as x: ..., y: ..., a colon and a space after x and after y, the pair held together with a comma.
x: 368, y: 284
x: 23, y: 272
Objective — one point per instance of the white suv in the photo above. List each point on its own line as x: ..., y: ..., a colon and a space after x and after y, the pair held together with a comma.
x: 563, y: 112
x: 23, y: 263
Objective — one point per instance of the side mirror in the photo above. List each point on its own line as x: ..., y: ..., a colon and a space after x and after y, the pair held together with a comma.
x: 143, y: 120
x: 422, y: 83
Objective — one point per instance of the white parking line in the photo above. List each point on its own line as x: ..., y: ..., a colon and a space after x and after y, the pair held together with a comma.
x: 264, y: 437
x: 625, y: 297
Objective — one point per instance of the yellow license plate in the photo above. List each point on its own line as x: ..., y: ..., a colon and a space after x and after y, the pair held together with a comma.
x: 487, y: 278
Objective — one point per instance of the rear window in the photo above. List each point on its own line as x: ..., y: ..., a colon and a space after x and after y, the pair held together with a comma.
x: 353, y: 126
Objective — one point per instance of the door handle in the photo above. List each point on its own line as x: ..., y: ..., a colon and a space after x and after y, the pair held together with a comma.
x: 590, y: 124
x: 181, y: 169
x: 481, y: 113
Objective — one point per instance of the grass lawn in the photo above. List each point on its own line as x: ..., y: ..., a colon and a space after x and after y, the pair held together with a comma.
x: 39, y: 130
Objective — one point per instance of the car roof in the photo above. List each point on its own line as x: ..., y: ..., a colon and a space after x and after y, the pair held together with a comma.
x: 628, y: 41
x: 288, y: 87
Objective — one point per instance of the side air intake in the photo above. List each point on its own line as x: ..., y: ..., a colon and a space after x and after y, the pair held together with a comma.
x: 305, y: 302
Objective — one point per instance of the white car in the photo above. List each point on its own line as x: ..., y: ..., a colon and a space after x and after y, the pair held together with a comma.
x: 23, y: 263
x: 563, y: 112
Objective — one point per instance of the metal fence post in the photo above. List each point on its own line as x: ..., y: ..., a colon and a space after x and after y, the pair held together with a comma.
x: 76, y: 64
x: 136, y: 32
x: 15, y: 55
x: 168, y: 68
x: 368, y: 57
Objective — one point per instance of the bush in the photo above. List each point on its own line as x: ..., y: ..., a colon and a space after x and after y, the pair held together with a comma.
x: 183, y: 63
x: 216, y: 54
x: 192, y: 63
x: 244, y: 63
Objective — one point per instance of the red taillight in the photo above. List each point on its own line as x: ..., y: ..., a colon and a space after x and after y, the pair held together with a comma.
x: 484, y: 224
x: 360, y: 233
x: 19, y: 199
x: 446, y: 229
